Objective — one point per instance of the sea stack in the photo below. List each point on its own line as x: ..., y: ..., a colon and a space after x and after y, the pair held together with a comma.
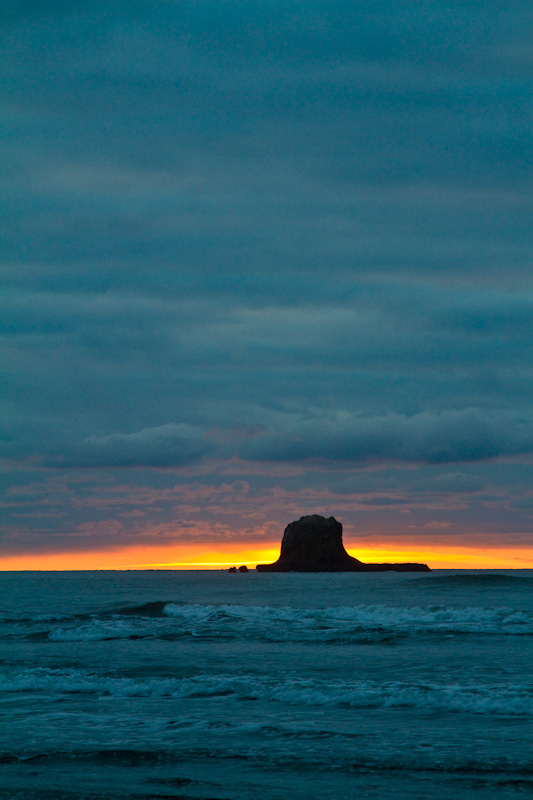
x: 314, y: 544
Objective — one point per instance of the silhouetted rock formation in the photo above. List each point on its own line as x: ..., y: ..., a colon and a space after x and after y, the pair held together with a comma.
x: 232, y: 569
x: 314, y: 544
x: 243, y: 569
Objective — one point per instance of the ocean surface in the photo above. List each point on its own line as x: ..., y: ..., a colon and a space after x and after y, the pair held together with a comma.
x: 166, y: 684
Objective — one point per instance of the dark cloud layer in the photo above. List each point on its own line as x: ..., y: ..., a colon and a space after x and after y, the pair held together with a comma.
x: 287, y: 244
x: 453, y: 436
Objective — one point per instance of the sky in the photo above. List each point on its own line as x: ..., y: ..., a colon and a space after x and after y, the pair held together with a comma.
x: 264, y: 259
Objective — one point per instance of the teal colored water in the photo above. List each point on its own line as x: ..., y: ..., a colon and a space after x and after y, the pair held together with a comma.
x: 259, y: 685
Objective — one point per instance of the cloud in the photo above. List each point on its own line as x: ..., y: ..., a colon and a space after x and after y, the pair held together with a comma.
x: 168, y: 445
x: 384, y: 501
x: 457, y: 482
x: 297, y: 253
x: 523, y: 503
x: 386, y: 374
x: 428, y: 437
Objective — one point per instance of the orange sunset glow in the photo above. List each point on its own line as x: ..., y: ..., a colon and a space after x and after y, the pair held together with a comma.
x: 183, y: 557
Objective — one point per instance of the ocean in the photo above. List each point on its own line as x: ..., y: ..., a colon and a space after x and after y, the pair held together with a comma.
x: 206, y: 684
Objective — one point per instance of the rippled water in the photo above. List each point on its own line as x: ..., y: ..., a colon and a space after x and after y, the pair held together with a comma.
x: 262, y: 685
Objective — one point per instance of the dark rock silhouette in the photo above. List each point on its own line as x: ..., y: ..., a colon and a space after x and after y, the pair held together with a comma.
x: 232, y: 569
x: 243, y: 569
x: 314, y: 544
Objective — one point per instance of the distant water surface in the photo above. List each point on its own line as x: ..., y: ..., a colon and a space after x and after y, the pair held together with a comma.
x: 263, y: 685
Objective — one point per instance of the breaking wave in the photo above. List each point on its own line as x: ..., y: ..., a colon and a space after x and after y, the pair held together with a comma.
x: 514, y: 700
x: 343, y: 624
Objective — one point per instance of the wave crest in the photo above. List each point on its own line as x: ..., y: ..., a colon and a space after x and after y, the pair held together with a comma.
x: 514, y: 700
x: 336, y: 625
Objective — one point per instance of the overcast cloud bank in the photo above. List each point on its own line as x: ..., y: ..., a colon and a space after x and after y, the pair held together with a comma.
x: 291, y: 246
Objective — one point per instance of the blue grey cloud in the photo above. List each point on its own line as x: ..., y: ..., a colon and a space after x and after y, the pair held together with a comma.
x: 167, y: 445
x: 292, y: 238
x: 452, y: 436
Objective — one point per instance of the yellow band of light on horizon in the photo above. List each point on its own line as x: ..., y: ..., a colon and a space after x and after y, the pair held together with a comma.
x: 203, y: 557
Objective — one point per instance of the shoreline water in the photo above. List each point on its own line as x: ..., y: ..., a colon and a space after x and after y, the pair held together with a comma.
x: 158, y: 684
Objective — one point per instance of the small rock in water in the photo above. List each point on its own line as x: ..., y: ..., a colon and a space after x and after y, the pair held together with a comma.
x: 243, y: 569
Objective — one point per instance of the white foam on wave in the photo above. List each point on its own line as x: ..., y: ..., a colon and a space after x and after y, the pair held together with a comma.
x: 376, y: 617
x: 514, y: 700
x: 288, y: 624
